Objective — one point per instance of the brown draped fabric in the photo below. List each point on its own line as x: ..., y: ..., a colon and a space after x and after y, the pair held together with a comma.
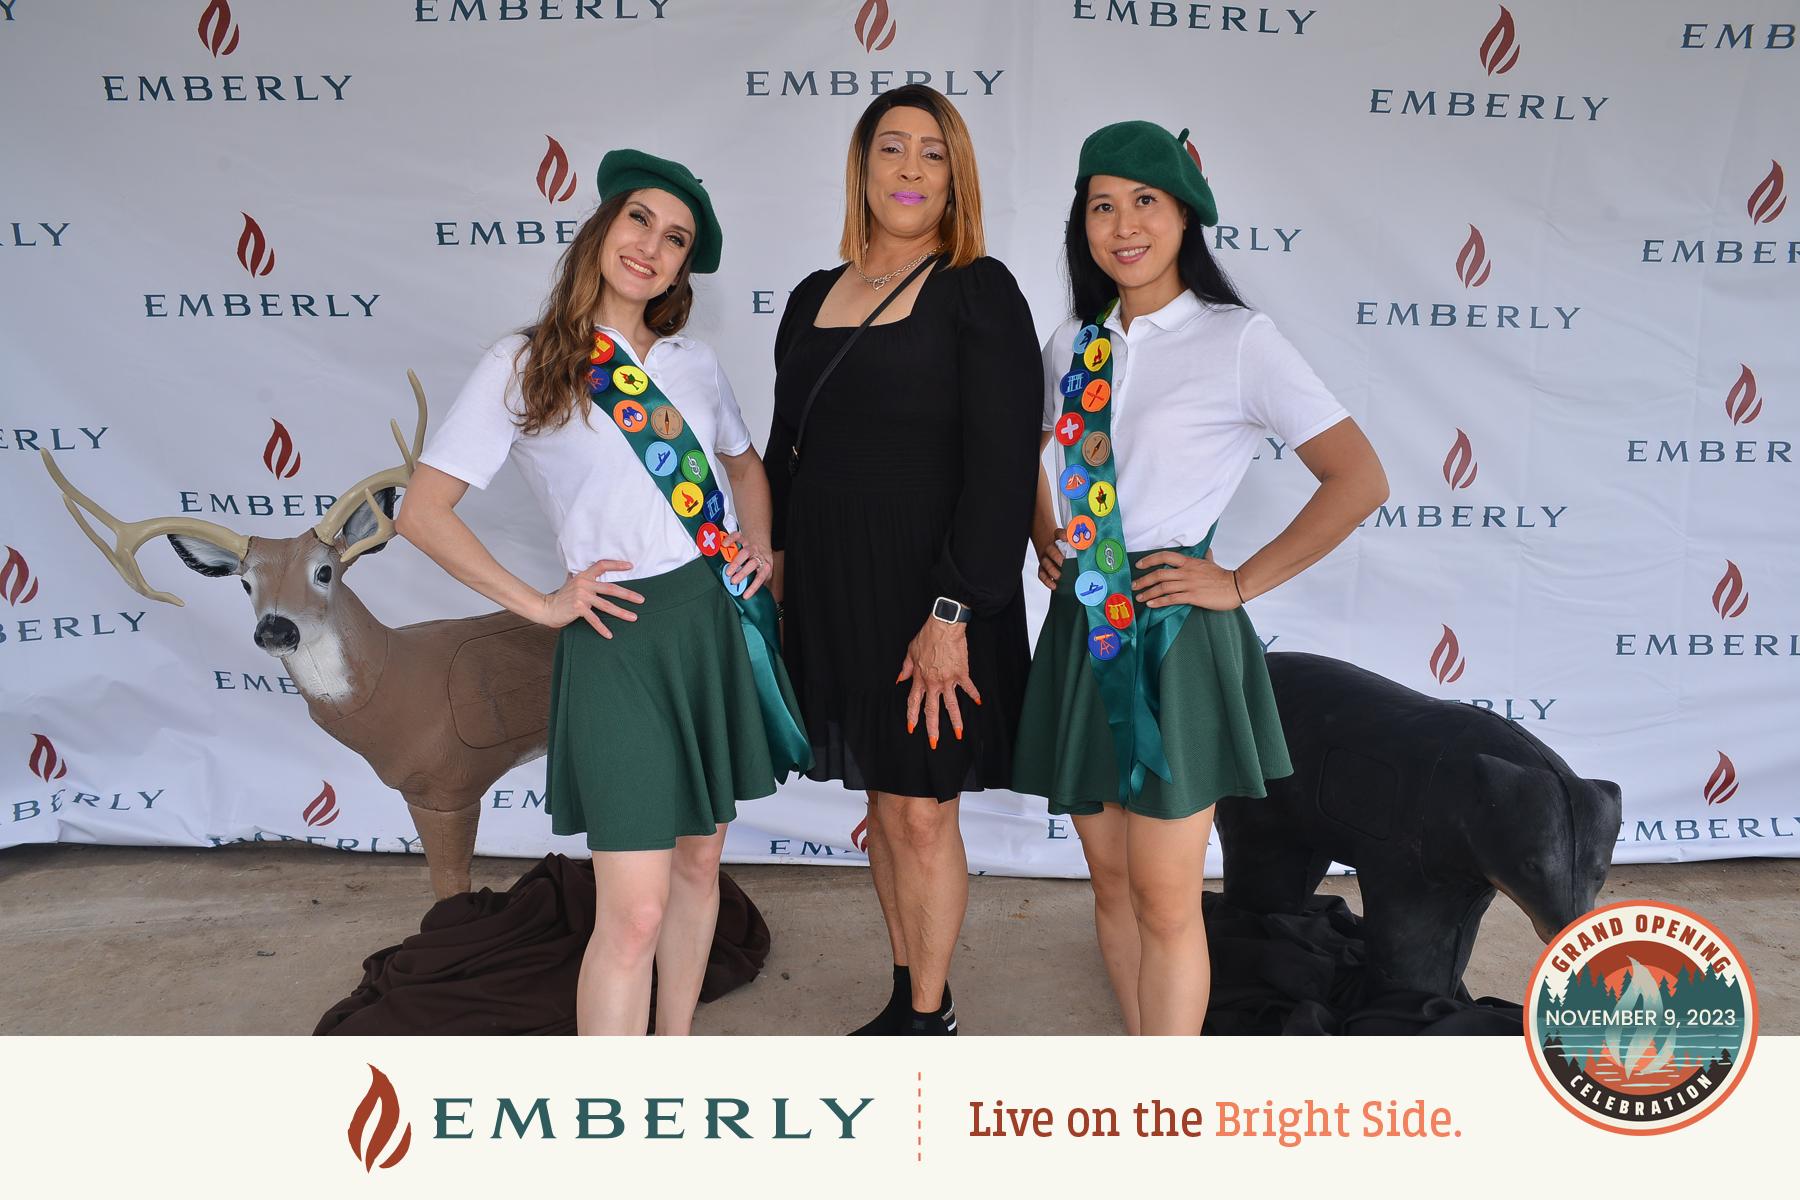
x: 492, y: 962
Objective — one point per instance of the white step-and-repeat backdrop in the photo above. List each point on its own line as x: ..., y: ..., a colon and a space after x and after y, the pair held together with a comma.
x: 1543, y: 252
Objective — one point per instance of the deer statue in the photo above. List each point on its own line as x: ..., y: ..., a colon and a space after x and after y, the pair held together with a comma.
x: 440, y: 709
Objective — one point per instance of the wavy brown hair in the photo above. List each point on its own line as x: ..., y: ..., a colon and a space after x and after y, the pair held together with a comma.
x: 960, y: 232
x: 557, y: 345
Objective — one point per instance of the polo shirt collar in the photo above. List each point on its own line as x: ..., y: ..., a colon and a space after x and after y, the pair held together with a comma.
x: 1169, y: 318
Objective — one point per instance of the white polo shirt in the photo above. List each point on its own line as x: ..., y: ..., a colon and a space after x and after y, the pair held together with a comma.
x: 600, y: 498
x: 1194, y: 387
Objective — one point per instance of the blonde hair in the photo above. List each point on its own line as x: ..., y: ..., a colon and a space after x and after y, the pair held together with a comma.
x: 960, y: 232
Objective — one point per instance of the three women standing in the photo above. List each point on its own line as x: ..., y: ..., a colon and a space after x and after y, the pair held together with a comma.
x: 902, y: 461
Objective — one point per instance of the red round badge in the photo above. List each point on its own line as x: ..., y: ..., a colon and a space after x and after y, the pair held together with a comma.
x: 1069, y: 427
x: 709, y: 539
x: 1118, y: 610
x: 603, y: 349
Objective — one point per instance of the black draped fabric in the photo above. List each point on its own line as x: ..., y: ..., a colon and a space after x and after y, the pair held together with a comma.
x: 918, y: 478
x: 1303, y: 974
x: 492, y: 962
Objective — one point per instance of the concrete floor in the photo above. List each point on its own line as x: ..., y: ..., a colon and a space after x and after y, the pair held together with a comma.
x: 262, y: 939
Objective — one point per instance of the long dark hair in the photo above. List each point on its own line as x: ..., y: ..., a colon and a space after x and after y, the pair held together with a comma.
x: 554, y: 382
x: 1090, y: 288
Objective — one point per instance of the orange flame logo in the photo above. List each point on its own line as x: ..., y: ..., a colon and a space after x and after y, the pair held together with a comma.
x: 554, y: 179
x: 1498, y: 53
x: 1730, y: 598
x: 381, y: 1096
x: 1742, y: 404
x: 16, y: 583
x: 45, y: 763
x: 254, y: 254
x: 874, y: 28
x: 1447, y: 662
x: 859, y: 837
x: 1459, y: 464
x: 323, y: 810
x: 1722, y: 784
x: 1472, y: 265
x: 278, y: 453
x: 218, y: 32
x: 1767, y: 201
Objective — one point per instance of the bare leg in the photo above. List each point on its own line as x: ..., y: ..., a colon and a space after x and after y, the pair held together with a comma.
x: 1167, y: 865
x: 881, y: 872
x: 1115, y: 921
x: 931, y: 886
x: 631, y: 889
x: 687, y: 931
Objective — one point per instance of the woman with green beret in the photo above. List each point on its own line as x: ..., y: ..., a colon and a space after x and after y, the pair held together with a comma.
x: 1149, y: 698
x: 669, y: 702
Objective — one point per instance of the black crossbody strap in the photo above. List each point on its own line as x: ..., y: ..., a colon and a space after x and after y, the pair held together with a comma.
x: 806, y: 410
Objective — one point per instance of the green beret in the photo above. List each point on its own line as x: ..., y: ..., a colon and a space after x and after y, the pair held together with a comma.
x: 628, y: 170
x: 1143, y: 152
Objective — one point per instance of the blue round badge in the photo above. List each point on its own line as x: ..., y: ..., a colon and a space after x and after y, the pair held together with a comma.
x: 599, y: 379
x: 1104, y: 643
x: 1075, y: 382
x: 737, y: 586
x: 661, y: 459
x: 1090, y: 588
x: 1074, y: 481
x: 1088, y: 334
x: 715, y: 506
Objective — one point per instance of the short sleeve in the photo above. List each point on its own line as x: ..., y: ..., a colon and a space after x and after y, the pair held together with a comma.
x: 733, y: 436
x: 1059, y: 351
x: 474, y: 439
x: 1277, y: 390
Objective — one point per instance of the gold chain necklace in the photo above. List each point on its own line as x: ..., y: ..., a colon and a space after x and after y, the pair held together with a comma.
x: 880, y: 281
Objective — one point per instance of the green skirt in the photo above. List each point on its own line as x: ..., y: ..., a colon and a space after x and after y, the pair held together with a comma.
x: 656, y: 733
x: 1220, y: 729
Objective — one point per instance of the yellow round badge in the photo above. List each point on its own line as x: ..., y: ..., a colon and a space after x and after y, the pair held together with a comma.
x: 1101, y: 498
x: 630, y: 380
x: 686, y: 499
x: 1096, y: 354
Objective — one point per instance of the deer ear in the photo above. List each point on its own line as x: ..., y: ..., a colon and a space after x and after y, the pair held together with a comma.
x: 362, y: 522
x: 209, y: 559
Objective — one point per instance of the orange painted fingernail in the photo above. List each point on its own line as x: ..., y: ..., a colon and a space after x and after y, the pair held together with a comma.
x: 959, y: 733
x: 934, y: 743
x: 911, y: 725
x: 899, y: 677
x: 977, y: 701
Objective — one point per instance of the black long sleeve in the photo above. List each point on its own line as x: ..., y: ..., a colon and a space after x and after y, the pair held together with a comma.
x: 1001, y: 387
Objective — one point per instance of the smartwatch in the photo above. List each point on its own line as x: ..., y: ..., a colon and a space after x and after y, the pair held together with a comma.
x: 950, y: 612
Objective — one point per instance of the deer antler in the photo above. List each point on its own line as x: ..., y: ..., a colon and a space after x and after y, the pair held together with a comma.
x: 362, y: 493
x: 130, y: 536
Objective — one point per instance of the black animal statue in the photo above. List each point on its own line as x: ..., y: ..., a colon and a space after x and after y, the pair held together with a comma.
x: 1435, y: 804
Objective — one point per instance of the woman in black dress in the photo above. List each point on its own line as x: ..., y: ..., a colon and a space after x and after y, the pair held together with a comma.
x: 901, y: 526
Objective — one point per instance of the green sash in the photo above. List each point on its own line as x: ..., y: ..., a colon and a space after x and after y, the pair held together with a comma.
x: 667, y: 448
x: 1125, y: 647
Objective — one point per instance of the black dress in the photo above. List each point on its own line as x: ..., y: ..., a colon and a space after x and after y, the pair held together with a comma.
x: 918, y: 476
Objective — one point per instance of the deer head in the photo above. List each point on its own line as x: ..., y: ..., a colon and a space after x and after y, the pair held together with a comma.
x: 294, y: 582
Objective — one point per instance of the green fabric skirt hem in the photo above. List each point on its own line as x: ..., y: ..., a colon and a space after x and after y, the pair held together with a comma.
x: 1221, y: 730
x: 656, y: 734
